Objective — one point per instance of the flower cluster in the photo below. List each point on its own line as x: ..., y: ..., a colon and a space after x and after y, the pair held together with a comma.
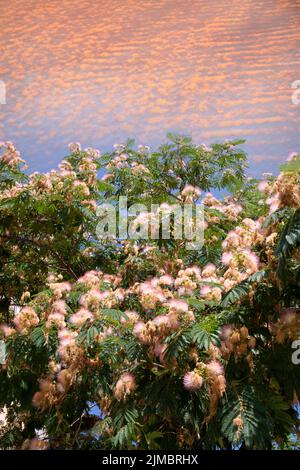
x: 10, y: 156
x: 236, y: 341
x: 288, y: 325
x: 283, y: 191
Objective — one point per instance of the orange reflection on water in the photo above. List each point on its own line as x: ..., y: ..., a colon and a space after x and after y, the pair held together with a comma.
x: 100, y: 71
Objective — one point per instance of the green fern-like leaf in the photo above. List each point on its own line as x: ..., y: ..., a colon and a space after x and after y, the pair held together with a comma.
x: 289, y: 239
x: 113, y: 314
x: 176, y: 342
x: 105, y: 186
x: 200, y: 337
x: 37, y: 337
x: 87, y: 335
x: 125, y: 436
x: 236, y: 293
x: 255, y: 430
x: 241, y: 290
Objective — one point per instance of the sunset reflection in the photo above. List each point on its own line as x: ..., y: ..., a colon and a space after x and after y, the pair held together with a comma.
x: 101, y: 71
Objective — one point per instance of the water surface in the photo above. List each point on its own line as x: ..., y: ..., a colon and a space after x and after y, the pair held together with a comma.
x: 100, y: 71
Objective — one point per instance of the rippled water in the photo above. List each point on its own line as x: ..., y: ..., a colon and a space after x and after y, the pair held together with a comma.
x: 100, y: 71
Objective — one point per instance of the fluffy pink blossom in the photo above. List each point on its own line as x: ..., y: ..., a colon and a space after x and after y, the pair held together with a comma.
x: 251, y: 260
x: 273, y: 203
x: 161, y: 320
x: 205, y: 291
x: 227, y: 257
x: 166, y: 280
x: 173, y: 322
x: 75, y: 147
x: 59, y: 306
x: 91, y: 277
x: 7, y: 330
x: 232, y: 240
x: 215, y: 367
x: 56, y: 319
x: 60, y: 288
x: 67, y: 341
x: 252, y: 225
x: 26, y: 319
x: 192, y: 381
x: 209, y: 270
x: 226, y: 332
x: 125, y: 386
x: 263, y: 186
x: 93, y: 153
x: 138, y: 328
x: 81, y: 317
x: 178, y: 305
x: 82, y: 186
x: 93, y: 297
x: 190, y: 190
